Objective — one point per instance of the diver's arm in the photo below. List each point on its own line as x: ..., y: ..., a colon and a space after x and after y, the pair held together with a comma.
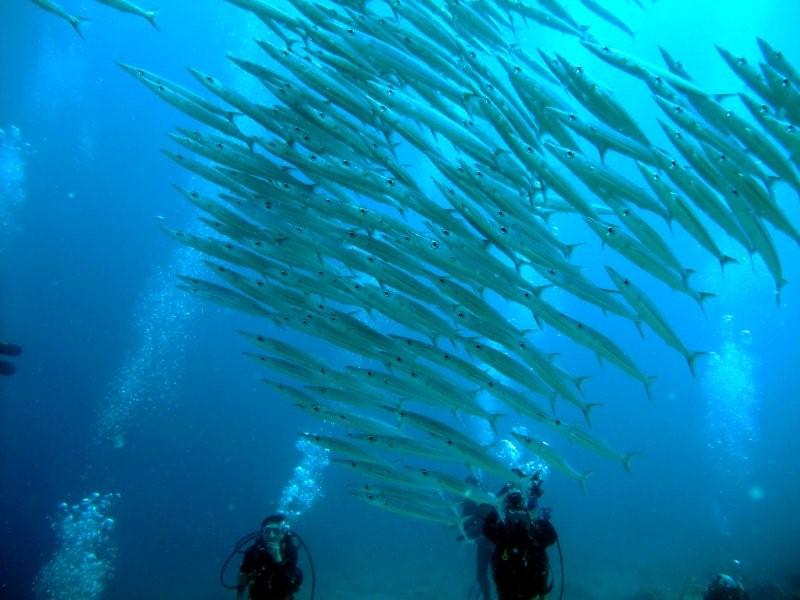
x: 492, y: 526
x: 545, y: 532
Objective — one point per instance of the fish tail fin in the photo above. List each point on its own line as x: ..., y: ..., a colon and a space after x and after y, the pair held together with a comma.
x: 701, y: 297
x: 647, y: 385
x: 150, y: 15
x: 685, y: 274
x: 586, y: 409
x: 691, y: 358
x: 582, y: 480
x: 552, y: 398
x: 580, y: 380
x: 771, y: 180
x: 76, y: 24
x: 569, y: 248
x: 492, y: 418
x: 626, y: 461
x: 778, y: 288
x: 638, y: 324
x: 727, y: 260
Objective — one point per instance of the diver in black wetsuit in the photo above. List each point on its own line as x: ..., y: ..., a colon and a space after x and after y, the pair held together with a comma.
x: 521, y: 538
x: 7, y: 368
x: 269, y: 568
x: 725, y: 587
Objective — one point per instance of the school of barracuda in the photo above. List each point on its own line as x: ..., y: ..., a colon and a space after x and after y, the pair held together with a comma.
x: 324, y: 230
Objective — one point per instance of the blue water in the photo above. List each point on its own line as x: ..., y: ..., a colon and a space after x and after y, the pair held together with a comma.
x: 128, y: 386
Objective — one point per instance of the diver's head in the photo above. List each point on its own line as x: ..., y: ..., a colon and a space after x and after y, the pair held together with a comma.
x: 513, y: 499
x: 274, y: 527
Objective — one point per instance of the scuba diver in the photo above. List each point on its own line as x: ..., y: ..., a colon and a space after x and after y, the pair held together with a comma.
x: 7, y: 368
x: 521, y: 537
x: 725, y: 587
x: 269, y: 567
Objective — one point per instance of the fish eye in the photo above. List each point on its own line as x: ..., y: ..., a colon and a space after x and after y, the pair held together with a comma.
x: 346, y: 162
x: 260, y: 338
x: 610, y: 229
x: 626, y: 212
x: 557, y: 422
x: 529, y: 149
x: 461, y: 314
x: 504, y: 229
x: 626, y: 282
x: 385, y: 294
x: 435, y: 245
x: 570, y: 154
x: 209, y: 79
x: 580, y: 325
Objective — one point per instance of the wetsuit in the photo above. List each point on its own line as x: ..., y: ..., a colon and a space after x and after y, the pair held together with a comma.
x: 519, y: 561
x: 268, y: 579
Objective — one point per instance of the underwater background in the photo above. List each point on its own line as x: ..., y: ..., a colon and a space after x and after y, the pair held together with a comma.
x: 130, y: 386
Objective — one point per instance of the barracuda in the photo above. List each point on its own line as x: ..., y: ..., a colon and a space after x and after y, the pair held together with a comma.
x: 648, y: 312
x: 131, y: 8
